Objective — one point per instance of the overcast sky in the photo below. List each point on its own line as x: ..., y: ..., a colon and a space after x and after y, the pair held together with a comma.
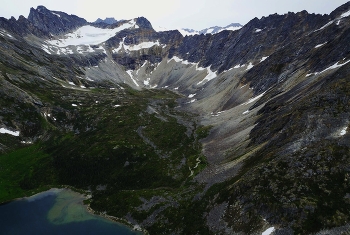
x: 171, y: 14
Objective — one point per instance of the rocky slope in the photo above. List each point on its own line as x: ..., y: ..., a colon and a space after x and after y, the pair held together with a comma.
x: 274, y: 95
x: 54, y: 22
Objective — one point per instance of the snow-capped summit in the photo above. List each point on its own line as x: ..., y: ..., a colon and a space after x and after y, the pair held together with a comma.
x: 218, y: 29
x: 211, y: 30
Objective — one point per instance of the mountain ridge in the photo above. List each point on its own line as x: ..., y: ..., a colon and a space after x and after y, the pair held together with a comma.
x: 108, y: 20
x: 210, y: 30
x: 54, y: 22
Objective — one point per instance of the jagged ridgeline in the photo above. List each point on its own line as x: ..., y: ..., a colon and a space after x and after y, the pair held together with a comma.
x: 234, y: 130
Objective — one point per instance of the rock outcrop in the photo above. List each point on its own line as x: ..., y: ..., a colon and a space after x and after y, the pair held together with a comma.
x: 54, y: 22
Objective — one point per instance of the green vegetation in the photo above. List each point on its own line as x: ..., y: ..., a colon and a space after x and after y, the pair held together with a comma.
x: 19, y: 166
x: 203, y: 131
x: 126, y: 146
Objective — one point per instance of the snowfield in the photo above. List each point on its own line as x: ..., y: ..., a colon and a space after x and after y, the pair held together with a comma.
x: 142, y: 45
x: 90, y: 35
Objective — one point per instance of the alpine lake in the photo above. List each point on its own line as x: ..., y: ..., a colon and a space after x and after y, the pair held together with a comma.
x: 55, y: 212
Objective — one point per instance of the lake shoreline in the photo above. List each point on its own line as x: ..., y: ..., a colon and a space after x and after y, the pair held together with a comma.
x: 85, y: 195
x: 125, y: 222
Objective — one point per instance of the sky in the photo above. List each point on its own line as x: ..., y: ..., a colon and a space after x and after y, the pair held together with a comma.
x: 173, y: 14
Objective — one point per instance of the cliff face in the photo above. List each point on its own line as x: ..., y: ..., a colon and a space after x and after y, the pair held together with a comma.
x: 54, y: 22
x: 258, y: 135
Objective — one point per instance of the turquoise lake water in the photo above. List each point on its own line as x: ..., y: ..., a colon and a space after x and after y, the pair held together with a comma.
x: 55, y: 212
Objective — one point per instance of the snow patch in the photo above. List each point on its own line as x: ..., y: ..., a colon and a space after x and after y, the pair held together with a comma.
x: 227, y: 70
x: 257, y: 30
x: 346, y: 14
x: 217, y: 114
x: 177, y: 59
x: 6, y: 131
x: 132, y: 78
x: 142, y: 45
x: 211, y: 75
x: 336, y: 65
x: 46, y: 50
x: 74, y: 105
x: 116, y: 50
x: 251, y: 100
x: 185, y: 62
x: 89, y: 79
x: 199, y: 68
x: 191, y: 95
x: 144, y: 64
x: 343, y: 132
x: 26, y: 142
x: 325, y: 26
x: 146, y: 82
x: 102, y: 48
x: 319, y: 45
x: 192, y: 101
x: 56, y: 14
x: 268, y: 231
x: 4, y: 34
x: 245, y: 112
x: 264, y: 58
x: 250, y: 65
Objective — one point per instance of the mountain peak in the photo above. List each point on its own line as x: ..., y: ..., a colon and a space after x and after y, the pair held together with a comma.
x: 143, y: 23
x: 41, y: 8
x: 54, y: 22
x: 341, y: 10
x: 108, y: 20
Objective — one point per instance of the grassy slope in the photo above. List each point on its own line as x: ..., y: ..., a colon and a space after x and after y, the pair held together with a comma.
x: 19, y: 165
x: 97, y: 144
